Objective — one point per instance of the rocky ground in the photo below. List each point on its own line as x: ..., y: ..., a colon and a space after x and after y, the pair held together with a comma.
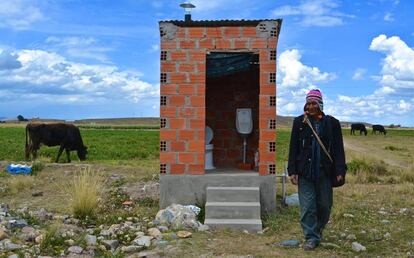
x: 25, y: 233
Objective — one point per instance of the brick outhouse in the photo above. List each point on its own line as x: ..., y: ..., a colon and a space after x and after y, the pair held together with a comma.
x: 209, y: 69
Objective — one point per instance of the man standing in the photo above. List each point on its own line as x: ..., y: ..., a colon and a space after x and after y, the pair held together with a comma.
x: 312, y: 169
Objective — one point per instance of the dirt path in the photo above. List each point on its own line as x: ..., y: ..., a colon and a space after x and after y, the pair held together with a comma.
x: 369, y: 151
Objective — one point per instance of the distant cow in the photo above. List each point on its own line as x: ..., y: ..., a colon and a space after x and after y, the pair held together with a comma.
x: 360, y: 127
x: 67, y: 136
x: 378, y: 128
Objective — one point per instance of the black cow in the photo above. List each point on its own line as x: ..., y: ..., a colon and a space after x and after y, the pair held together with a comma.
x: 67, y: 136
x: 360, y: 127
x: 378, y: 128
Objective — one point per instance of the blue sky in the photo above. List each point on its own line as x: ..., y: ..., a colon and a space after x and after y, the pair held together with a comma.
x: 75, y: 59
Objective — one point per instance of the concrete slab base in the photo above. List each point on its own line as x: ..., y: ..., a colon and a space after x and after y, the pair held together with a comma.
x: 191, y: 189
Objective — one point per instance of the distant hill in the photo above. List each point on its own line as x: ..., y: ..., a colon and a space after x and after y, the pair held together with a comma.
x: 119, y: 121
x: 281, y: 121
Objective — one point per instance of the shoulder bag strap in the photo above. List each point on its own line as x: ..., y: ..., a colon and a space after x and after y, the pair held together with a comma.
x: 306, y: 120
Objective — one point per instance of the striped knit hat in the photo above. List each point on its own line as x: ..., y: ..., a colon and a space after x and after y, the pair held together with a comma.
x: 316, y: 95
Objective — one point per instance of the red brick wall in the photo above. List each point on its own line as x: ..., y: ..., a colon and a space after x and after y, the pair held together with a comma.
x: 183, y: 93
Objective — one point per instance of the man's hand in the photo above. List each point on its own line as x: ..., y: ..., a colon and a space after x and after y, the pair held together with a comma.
x: 339, y: 178
x: 294, y: 179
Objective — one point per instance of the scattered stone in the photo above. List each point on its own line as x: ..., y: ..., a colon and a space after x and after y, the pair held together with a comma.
x: 183, y: 234
x: 13, y: 256
x: 343, y: 235
x: 387, y: 235
x: 403, y: 210
x: 363, y: 232
x: 385, y: 221
x: 39, y: 239
x: 292, y: 200
x: 139, y: 234
x: 143, y: 241
x: 154, y: 232
x: 20, y: 223
x: 178, y: 216
x: 90, y: 240
x: 10, y: 246
x: 127, y: 203
x: 330, y: 245
x: 43, y: 215
x: 382, y: 212
x: 75, y: 249
x: 162, y: 243
x: 131, y: 249
x: 4, y: 208
x: 290, y: 243
x: 3, y: 234
x: 377, y: 238
x: 348, y: 215
x: 163, y: 228
x: 105, y: 233
x: 148, y: 254
x: 110, y: 244
x: 70, y: 242
x: 358, y: 247
x: 246, y: 232
x: 203, y: 228
x: 351, y: 237
x: 37, y: 193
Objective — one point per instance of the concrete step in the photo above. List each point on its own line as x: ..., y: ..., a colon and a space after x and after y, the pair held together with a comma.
x: 252, y: 225
x: 233, y: 194
x: 233, y: 210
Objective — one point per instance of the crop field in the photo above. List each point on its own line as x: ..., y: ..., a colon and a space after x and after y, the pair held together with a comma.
x: 374, y: 208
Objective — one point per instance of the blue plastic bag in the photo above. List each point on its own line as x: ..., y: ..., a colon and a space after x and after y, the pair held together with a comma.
x: 19, y: 169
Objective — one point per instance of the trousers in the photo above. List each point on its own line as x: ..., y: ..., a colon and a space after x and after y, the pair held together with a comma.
x: 315, y: 200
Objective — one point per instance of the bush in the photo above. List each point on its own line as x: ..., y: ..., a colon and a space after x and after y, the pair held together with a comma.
x: 374, y: 167
x: 85, y: 192
x: 37, y: 166
x: 393, y: 148
x: 52, y: 243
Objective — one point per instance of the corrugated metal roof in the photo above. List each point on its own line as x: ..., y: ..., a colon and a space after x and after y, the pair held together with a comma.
x: 218, y: 23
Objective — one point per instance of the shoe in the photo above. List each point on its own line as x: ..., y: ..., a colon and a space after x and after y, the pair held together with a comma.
x: 309, y: 245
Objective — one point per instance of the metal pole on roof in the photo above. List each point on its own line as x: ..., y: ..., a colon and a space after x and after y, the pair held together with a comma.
x: 187, y: 7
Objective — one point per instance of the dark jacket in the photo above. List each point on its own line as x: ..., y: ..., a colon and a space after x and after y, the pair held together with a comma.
x: 300, y: 149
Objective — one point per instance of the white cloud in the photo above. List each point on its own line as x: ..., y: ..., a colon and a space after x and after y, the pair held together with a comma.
x: 395, y: 94
x: 293, y: 73
x: 79, y: 47
x: 19, y: 14
x: 387, y: 103
x: 398, y: 65
x: 54, y: 79
x: 359, y: 74
x: 294, y: 79
x: 314, y: 13
x: 388, y: 17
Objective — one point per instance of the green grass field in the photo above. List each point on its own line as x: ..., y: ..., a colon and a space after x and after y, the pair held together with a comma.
x: 104, y: 145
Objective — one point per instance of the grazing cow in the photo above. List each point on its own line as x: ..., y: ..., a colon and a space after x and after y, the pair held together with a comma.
x: 67, y: 136
x: 378, y: 128
x: 360, y: 127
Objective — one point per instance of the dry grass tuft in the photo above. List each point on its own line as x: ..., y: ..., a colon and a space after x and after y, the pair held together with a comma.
x: 20, y: 183
x: 85, y: 191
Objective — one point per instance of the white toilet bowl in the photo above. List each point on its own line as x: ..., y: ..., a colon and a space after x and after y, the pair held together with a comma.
x: 209, y: 149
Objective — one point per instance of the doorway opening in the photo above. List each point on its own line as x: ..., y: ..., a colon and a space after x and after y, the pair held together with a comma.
x: 232, y: 82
